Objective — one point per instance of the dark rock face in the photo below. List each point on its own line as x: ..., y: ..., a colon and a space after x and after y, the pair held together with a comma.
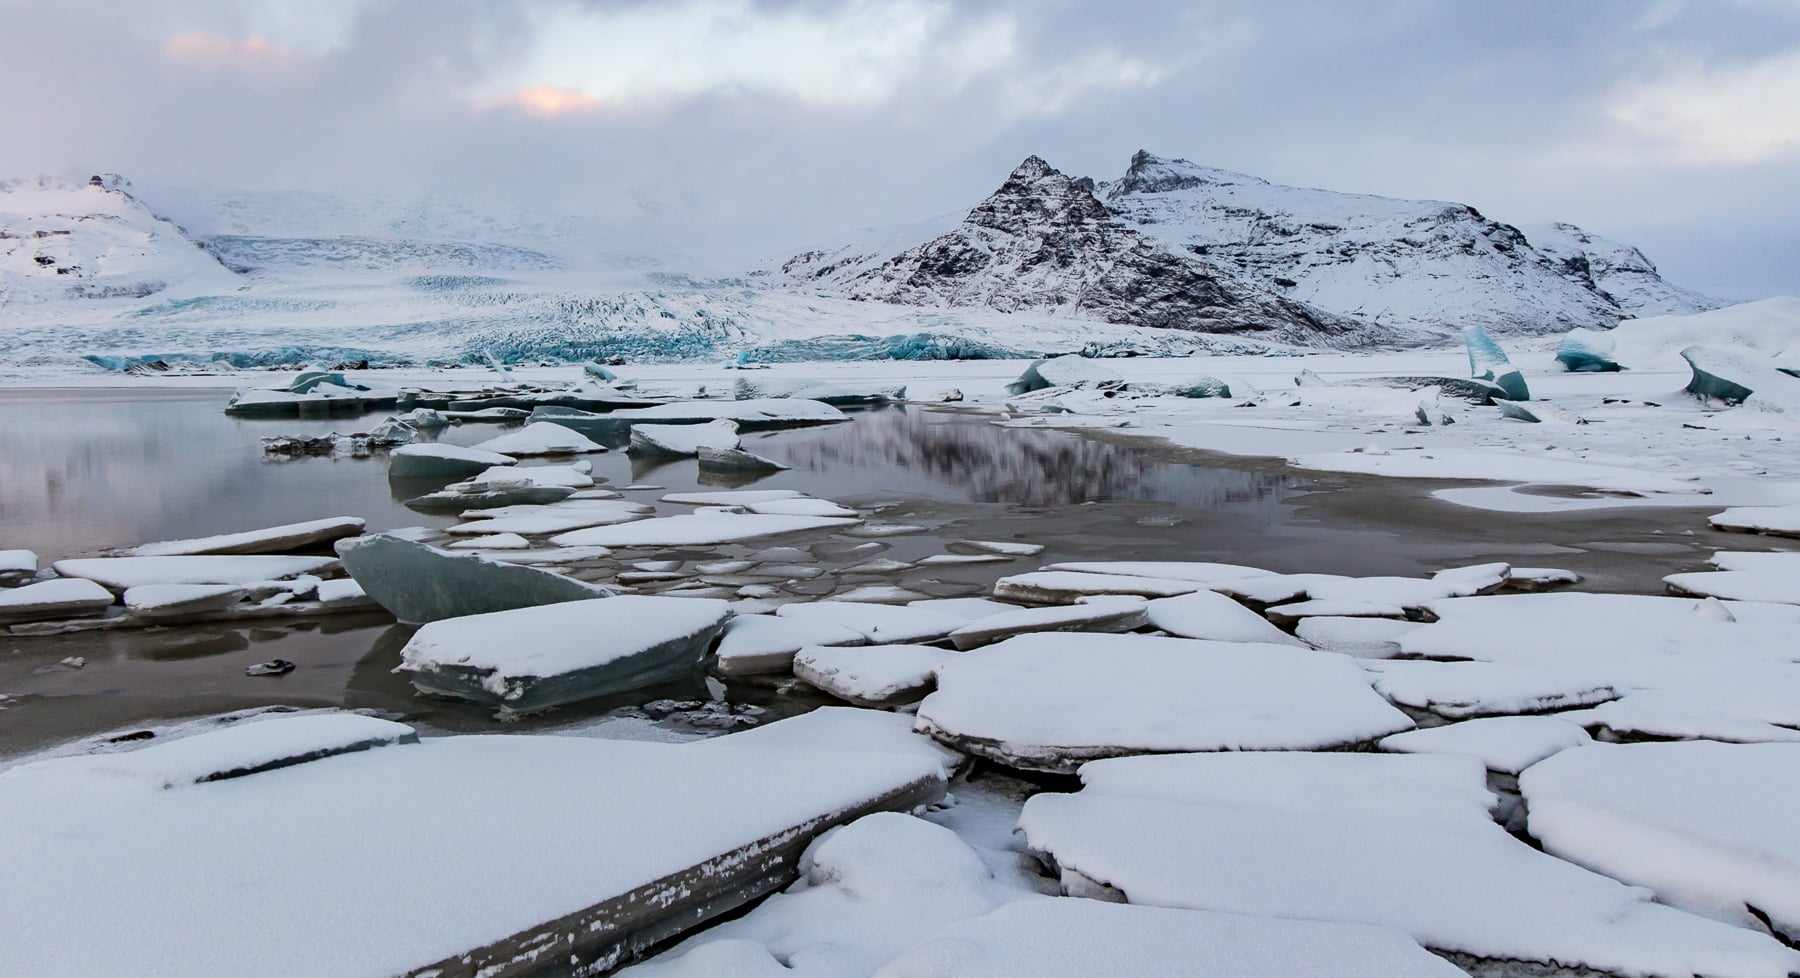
x: 1045, y: 243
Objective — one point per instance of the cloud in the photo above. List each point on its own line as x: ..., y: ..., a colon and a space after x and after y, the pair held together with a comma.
x: 545, y: 101
x: 204, y: 50
x: 1737, y: 113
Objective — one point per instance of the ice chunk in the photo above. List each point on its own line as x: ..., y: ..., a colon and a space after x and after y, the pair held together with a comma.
x: 744, y: 389
x: 1539, y: 578
x: 1499, y: 466
x: 841, y: 728
x: 213, y: 878
x: 497, y: 541
x: 736, y: 459
x: 765, y: 644
x: 577, y: 476
x: 534, y: 658
x: 879, y: 624
x: 1066, y: 587
x: 420, y: 584
x: 871, y: 675
x: 1457, y: 690
x: 1507, y: 745
x: 1780, y: 521
x: 1063, y: 371
x: 1007, y: 548
x: 1209, y: 615
x: 1173, y: 570
x: 1365, y: 638
x: 732, y: 497
x: 1755, y: 577
x: 697, y: 530
x: 800, y: 507
x: 1587, y: 350
x: 752, y: 415
x: 540, y: 438
x: 490, y: 494
x: 1709, y: 827
x: 120, y: 573
x: 18, y: 562
x: 434, y: 461
x: 1049, y: 702
x: 1488, y: 362
x: 1051, y: 938
x: 1102, y: 614
x: 880, y: 594
x: 554, y: 518
x: 274, y: 540
x: 1662, y: 715
x: 1736, y: 379
x: 683, y: 439
x: 56, y: 598
x: 177, y: 600
x: 1403, y: 835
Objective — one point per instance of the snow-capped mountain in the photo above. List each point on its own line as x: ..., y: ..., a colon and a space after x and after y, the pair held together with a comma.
x: 1620, y: 271
x: 1044, y: 243
x: 62, y: 239
x: 1381, y: 262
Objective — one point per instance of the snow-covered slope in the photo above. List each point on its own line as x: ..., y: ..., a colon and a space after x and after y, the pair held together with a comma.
x: 1376, y: 258
x: 1620, y: 271
x: 61, y: 239
x: 1044, y: 243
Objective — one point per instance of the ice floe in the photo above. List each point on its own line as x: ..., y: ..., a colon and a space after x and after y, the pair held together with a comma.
x: 56, y: 598
x: 120, y: 573
x: 540, y: 438
x: 177, y: 600
x: 871, y: 675
x: 1365, y: 638
x: 1100, y: 614
x: 1067, y: 587
x: 434, y: 461
x: 1050, y: 702
x: 1409, y: 844
x: 765, y: 644
x: 681, y: 440
x: 1781, y: 521
x: 1744, y: 577
x: 530, y: 659
x: 421, y: 584
x: 1506, y: 745
x: 273, y: 540
x: 879, y: 624
x: 695, y: 530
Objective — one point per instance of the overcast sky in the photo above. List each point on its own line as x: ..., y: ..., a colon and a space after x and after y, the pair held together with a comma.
x: 763, y: 126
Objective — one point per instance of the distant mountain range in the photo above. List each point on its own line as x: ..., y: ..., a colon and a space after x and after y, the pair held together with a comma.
x: 1176, y: 245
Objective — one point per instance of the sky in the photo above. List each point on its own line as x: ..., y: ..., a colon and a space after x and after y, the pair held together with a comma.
x: 748, y: 128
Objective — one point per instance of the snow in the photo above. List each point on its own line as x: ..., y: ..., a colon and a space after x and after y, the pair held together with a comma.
x: 1209, y: 615
x: 1473, y: 689
x: 1709, y: 827
x: 1663, y: 716
x: 274, y: 539
x: 1051, y: 701
x: 1365, y: 638
x: 1070, y: 938
x: 800, y: 507
x: 571, y: 476
x: 683, y: 439
x: 759, y: 412
x: 216, y: 879
x: 1744, y: 577
x: 756, y: 644
x: 879, y: 624
x: 871, y: 675
x: 1173, y: 570
x: 568, y: 637
x: 540, y: 438
x: 1404, y: 837
x: 840, y: 728
x: 1776, y: 520
x: 695, y: 530
x: 1504, y: 744
x: 1101, y: 614
x: 1499, y: 466
x: 552, y: 518
x: 1008, y: 548
x: 1066, y: 587
x: 732, y: 497
x: 178, y: 599
x: 496, y: 541
x: 54, y: 597
x: 128, y: 572
x: 18, y: 560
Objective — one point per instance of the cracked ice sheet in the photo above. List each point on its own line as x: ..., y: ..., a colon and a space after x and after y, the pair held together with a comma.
x: 1708, y: 826
x: 1403, y: 835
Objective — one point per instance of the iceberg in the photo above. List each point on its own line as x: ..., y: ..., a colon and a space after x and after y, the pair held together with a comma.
x: 421, y: 584
x: 529, y: 659
x: 1064, y: 371
x: 1487, y: 362
x: 434, y: 461
x: 877, y: 676
x: 1587, y: 351
x: 540, y: 438
x: 735, y: 460
x: 683, y: 440
x: 1735, y: 379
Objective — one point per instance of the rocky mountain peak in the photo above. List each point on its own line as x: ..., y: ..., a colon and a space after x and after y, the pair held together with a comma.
x: 1038, y: 193
x: 1152, y: 174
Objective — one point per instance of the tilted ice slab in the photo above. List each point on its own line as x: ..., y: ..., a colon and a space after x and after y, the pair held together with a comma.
x: 696, y: 530
x: 1100, y: 614
x: 801, y: 507
x: 1065, y: 938
x: 1737, y: 657
x: 286, y: 871
x: 1506, y: 745
x: 1738, y: 379
x: 434, y: 461
x: 1710, y: 827
x: 871, y: 675
x: 534, y: 658
x: 1659, y: 715
x: 420, y: 584
x: 1409, y: 843
x: 174, y: 600
x: 1498, y: 466
x: 879, y: 624
x: 683, y: 439
x: 1489, y: 363
x: 1781, y: 521
x: 765, y: 644
x: 57, y: 598
x: 120, y: 573
x: 1050, y: 702
x: 1458, y: 690
x: 554, y: 518
x: 1067, y: 587
x: 541, y: 438
x: 273, y: 540
x: 1209, y: 615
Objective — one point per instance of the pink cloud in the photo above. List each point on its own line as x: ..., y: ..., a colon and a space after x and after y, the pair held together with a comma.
x: 546, y: 101
x: 205, y: 50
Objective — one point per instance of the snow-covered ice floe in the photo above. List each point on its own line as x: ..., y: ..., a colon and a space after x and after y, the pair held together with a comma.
x: 1050, y: 702
x: 1499, y: 466
x: 272, y: 540
x: 871, y: 675
x: 878, y: 624
x: 765, y: 644
x: 1106, y: 613
x: 1709, y: 827
x: 532, y: 520
x: 837, y: 395
x: 530, y: 659
x: 55, y: 598
x: 1743, y: 576
x: 434, y: 461
x: 692, y: 530
x: 1409, y: 843
x: 120, y: 573
x: 683, y: 440
x: 421, y: 584
x: 285, y: 869
x: 178, y: 600
x: 1780, y: 521
x: 540, y: 438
